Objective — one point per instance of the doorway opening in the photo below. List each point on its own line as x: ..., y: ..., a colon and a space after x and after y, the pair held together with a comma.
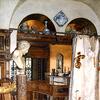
x: 37, y: 59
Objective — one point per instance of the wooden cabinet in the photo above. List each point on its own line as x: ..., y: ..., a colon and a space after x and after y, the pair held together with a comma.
x: 4, y: 51
x: 4, y: 45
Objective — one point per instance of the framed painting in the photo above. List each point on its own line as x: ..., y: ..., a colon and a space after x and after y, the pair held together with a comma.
x: 59, y: 63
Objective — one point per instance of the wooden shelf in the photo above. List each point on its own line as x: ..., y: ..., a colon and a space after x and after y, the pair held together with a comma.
x: 56, y: 39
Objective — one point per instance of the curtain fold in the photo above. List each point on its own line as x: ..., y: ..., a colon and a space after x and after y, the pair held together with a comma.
x: 84, y: 68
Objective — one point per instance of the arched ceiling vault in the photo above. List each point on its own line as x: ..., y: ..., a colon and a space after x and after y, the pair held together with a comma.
x: 70, y: 8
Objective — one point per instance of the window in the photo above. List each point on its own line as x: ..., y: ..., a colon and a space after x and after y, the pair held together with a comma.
x: 14, y: 70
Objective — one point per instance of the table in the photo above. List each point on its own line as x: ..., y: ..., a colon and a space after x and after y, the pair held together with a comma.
x: 44, y: 87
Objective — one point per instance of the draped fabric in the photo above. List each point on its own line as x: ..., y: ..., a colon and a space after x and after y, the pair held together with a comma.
x: 84, y: 71
x: 13, y: 41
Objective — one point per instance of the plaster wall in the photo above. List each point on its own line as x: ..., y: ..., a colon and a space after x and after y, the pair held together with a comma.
x: 66, y: 51
x: 50, y: 9
x: 13, y: 11
x: 94, y: 4
x: 6, y: 10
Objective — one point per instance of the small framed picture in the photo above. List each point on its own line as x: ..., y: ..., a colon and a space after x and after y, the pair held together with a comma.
x: 59, y: 63
x: 60, y: 19
x: 2, y: 43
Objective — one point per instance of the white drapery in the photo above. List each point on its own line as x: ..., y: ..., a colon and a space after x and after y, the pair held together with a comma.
x: 13, y: 41
x: 84, y: 78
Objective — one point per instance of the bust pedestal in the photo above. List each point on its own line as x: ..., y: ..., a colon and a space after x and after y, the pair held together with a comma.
x: 21, y: 87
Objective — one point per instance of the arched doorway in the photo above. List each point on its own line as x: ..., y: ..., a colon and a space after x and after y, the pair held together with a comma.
x: 37, y: 59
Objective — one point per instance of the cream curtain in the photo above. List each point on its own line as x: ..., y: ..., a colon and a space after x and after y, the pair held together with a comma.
x: 84, y: 83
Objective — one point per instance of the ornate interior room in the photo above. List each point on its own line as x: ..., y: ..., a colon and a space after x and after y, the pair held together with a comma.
x: 49, y: 50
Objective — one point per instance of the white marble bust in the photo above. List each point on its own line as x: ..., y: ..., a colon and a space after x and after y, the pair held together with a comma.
x: 23, y: 47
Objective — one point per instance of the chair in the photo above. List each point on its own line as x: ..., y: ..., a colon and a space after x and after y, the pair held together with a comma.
x: 9, y: 95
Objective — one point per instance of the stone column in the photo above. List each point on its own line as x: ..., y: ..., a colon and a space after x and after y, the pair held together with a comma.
x: 21, y: 87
